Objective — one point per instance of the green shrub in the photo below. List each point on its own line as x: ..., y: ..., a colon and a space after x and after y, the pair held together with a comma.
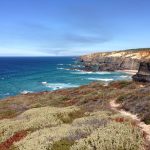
x: 124, y: 83
x: 121, y: 98
x: 115, y: 136
x: 63, y: 144
x: 147, y: 121
x: 71, y: 116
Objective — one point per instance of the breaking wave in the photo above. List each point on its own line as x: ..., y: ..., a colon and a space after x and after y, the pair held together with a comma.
x: 56, y: 86
x: 26, y: 92
x: 90, y: 72
x: 100, y: 79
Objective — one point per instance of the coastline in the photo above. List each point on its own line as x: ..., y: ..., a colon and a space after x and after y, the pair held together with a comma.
x: 54, y: 73
x: 131, y: 72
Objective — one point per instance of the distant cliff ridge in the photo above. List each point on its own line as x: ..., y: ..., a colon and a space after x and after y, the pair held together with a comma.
x: 117, y: 60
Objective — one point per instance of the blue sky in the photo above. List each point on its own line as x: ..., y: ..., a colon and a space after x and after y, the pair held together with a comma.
x: 72, y: 27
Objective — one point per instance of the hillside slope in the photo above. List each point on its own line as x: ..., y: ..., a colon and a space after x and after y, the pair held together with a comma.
x: 76, y: 119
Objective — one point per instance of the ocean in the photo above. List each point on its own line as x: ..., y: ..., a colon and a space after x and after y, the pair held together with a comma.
x: 21, y: 75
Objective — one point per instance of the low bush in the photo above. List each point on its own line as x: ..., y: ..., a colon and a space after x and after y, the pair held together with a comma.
x: 114, y: 136
x: 63, y: 144
x: 121, y: 98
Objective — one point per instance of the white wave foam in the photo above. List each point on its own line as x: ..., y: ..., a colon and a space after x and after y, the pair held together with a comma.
x: 79, y: 66
x: 80, y: 72
x: 56, y: 86
x: 44, y: 83
x: 124, y: 76
x: 26, y: 92
x: 103, y: 72
x: 60, y: 68
x: 63, y: 69
x: 89, y: 72
x: 67, y: 69
x: 100, y: 79
x: 6, y: 94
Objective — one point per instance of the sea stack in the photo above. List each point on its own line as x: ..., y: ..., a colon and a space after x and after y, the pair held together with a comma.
x: 143, y: 74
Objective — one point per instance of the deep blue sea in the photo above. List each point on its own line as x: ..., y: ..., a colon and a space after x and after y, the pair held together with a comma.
x: 33, y: 74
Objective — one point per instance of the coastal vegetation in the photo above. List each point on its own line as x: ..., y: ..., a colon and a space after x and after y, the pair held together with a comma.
x: 76, y: 118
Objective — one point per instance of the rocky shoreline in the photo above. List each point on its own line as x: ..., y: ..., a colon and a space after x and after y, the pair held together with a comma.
x: 129, y: 61
x: 72, y: 119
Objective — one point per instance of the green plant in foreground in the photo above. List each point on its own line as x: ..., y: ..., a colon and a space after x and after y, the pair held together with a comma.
x: 147, y: 121
x: 121, y: 98
x: 124, y: 83
x: 115, y: 136
x: 63, y: 144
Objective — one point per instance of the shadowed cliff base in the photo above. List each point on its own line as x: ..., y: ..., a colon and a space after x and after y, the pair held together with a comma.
x: 143, y: 74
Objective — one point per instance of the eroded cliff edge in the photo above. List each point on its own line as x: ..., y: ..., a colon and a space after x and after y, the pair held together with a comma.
x: 117, y: 60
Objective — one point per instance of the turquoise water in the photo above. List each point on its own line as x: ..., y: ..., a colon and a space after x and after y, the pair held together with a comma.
x: 34, y: 74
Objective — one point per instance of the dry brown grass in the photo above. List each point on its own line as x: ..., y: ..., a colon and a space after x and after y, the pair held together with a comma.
x: 137, y: 102
x: 66, y: 117
x: 92, y: 96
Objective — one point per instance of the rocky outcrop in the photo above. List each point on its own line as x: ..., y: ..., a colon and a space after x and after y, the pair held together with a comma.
x: 143, y: 74
x: 117, y: 60
x: 111, y: 64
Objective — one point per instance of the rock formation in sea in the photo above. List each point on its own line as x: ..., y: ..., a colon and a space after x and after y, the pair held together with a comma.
x: 117, y: 60
x: 143, y: 74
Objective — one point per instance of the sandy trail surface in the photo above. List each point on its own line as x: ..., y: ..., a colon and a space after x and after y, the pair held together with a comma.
x: 144, y: 127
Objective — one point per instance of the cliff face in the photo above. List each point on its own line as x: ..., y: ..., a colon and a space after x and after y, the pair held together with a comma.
x: 143, y: 74
x: 117, y: 60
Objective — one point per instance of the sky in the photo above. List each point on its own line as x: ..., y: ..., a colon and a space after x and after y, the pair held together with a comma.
x: 72, y: 27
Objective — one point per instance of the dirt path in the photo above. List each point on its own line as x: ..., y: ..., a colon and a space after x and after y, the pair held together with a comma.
x: 146, y: 128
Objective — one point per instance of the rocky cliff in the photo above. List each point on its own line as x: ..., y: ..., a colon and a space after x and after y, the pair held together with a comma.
x: 143, y: 74
x: 117, y: 60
